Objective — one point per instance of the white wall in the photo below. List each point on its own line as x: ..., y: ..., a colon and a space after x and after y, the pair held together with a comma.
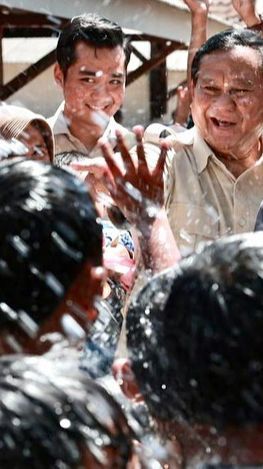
x: 41, y: 95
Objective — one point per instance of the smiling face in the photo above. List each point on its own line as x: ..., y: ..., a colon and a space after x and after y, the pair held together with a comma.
x: 94, y: 85
x: 227, y: 100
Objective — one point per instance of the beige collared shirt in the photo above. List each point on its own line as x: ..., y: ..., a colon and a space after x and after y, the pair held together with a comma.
x: 203, y: 199
x: 65, y: 142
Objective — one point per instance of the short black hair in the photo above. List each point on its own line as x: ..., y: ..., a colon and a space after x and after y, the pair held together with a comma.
x: 224, y: 41
x: 53, y: 416
x: 48, y: 232
x: 195, y: 336
x: 92, y: 29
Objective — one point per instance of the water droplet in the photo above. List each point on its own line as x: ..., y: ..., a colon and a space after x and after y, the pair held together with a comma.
x: 65, y: 423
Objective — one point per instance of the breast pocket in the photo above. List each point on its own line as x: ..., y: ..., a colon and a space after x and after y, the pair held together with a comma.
x: 193, y: 224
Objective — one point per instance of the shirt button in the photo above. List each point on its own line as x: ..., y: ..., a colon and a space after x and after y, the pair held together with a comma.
x: 242, y: 221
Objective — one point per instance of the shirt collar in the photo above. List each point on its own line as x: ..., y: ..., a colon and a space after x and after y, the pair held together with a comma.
x: 60, y: 125
x: 201, y: 151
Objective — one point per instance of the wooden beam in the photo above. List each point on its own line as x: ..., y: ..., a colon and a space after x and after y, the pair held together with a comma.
x: 1, y: 57
x: 26, y: 19
x: 137, y: 53
x: 158, y: 85
x: 31, y: 32
x: 27, y: 75
x: 153, y: 62
x: 145, y: 37
x: 154, y: 17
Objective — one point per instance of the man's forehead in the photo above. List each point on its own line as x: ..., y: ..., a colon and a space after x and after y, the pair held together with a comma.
x: 239, y: 57
x: 83, y: 48
x: 239, y: 64
x: 213, y: 77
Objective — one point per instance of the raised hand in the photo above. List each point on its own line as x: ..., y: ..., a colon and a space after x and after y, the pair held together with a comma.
x: 137, y: 191
x: 247, y: 11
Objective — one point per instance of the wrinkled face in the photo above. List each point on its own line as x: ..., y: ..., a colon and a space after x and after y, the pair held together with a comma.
x: 94, y: 83
x: 34, y: 140
x: 227, y: 99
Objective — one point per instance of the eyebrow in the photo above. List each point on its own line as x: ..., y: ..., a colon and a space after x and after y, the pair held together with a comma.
x: 94, y: 74
x: 235, y: 81
x: 88, y: 72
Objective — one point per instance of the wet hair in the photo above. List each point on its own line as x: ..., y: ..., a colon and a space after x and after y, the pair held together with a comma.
x: 225, y: 41
x: 195, y: 336
x: 53, y: 416
x: 48, y: 231
x: 96, y: 31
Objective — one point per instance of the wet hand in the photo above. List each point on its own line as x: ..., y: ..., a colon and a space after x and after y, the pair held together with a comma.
x: 247, y: 11
x: 95, y: 166
x: 137, y: 191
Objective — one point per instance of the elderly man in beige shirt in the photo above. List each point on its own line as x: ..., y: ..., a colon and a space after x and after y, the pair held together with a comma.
x: 214, y: 173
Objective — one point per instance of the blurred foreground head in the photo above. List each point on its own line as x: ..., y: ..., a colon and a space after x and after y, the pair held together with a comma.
x: 53, y: 417
x: 195, y: 337
x: 50, y: 251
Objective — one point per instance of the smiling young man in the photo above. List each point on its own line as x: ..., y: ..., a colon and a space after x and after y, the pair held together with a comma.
x: 92, y: 57
x: 214, y: 179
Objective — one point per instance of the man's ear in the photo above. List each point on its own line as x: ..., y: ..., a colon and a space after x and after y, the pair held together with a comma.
x: 59, y: 76
x: 125, y: 377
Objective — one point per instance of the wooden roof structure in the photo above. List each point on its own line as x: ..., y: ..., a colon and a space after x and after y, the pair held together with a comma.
x: 165, y: 24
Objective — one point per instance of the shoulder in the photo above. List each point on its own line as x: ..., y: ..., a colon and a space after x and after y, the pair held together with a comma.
x: 178, y: 136
x: 128, y: 135
x: 57, y: 122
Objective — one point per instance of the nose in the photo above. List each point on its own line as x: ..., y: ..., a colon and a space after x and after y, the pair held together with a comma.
x: 225, y: 100
x: 101, y: 93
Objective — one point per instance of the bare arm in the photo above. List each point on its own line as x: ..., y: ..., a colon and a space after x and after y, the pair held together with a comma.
x: 139, y: 193
x: 199, y: 14
x: 247, y: 11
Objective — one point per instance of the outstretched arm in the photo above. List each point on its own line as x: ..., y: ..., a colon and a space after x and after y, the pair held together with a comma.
x: 199, y: 14
x: 139, y: 193
x: 247, y: 11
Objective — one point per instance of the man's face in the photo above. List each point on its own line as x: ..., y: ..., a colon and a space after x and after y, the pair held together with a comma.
x: 94, y: 84
x: 227, y: 100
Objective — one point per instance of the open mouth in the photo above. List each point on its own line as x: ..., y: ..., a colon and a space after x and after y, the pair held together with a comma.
x: 98, y: 108
x: 222, y: 123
